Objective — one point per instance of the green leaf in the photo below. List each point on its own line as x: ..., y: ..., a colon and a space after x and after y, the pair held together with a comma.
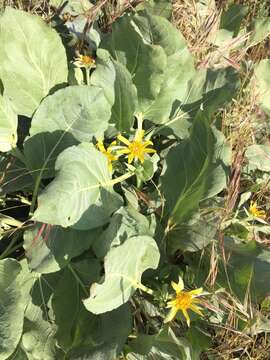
x: 248, y: 265
x: 125, y: 223
x: 80, y: 110
x: 41, y: 151
x: 163, y: 346
x: 180, y: 64
x: 179, y: 70
x: 14, y: 176
x: 73, y: 114
x: 38, y: 339
x: 258, y: 157
x: 11, y: 310
x: 262, y: 77
x: 191, y: 237
x: 8, y: 125
x: 146, y: 63
x: 15, y: 281
x: 32, y: 59
x: 82, y: 194
x: 123, y: 278
x: 260, y: 31
x: 112, y: 338
x: 50, y: 248
x: 157, y: 30
x: 118, y: 88
x: 206, y: 90
x: 232, y: 18
x: 189, y: 173
x: 76, y: 327
x: 159, y: 7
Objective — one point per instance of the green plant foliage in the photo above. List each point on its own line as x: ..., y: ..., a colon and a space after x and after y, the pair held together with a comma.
x: 232, y: 18
x: 14, y: 175
x: 260, y: 31
x: 165, y: 345
x: 122, y: 279
x: 74, y: 331
x: 118, y: 88
x: 258, y: 157
x: 8, y: 125
x: 118, y: 210
x: 252, y: 268
x: 262, y: 78
x: 14, y: 282
x: 128, y: 47
x: 83, y: 187
x: 48, y: 249
x: 190, y: 173
x: 33, y: 67
x: 83, y: 112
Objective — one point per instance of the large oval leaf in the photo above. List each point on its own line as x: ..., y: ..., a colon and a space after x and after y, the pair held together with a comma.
x: 81, y: 195
x: 74, y: 114
x: 80, y: 110
x: 32, y: 59
x: 123, y: 277
x: 145, y: 62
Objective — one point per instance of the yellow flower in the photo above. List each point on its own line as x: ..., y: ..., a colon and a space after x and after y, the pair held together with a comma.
x: 255, y: 211
x: 183, y: 301
x: 137, y: 148
x: 107, y: 152
x: 85, y: 61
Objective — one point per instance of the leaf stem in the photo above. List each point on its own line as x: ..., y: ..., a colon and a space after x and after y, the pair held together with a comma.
x: 145, y: 289
x: 121, y: 178
x: 78, y: 279
x: 16, y: 152
x: 87, y: 77
x: 35, y: 194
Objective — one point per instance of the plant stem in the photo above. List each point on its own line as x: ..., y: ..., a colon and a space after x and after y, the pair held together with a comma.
x: 10, y: 249
x: 35, y: 194
x: 145, y: 289
x: 121, y: 178
x: 87, y: 77
x: 18, y: 154
x: 78, y: 279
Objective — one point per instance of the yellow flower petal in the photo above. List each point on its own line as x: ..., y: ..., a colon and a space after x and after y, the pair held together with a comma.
x: 185, y: 313
x: 196, y: 309
x: 178, y: 287
x: 130, y: 158
x: 196, y: 291
x: 171, y: 315
x: 149, y: 151
x: 123, y: 139
x: 123, y: 151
